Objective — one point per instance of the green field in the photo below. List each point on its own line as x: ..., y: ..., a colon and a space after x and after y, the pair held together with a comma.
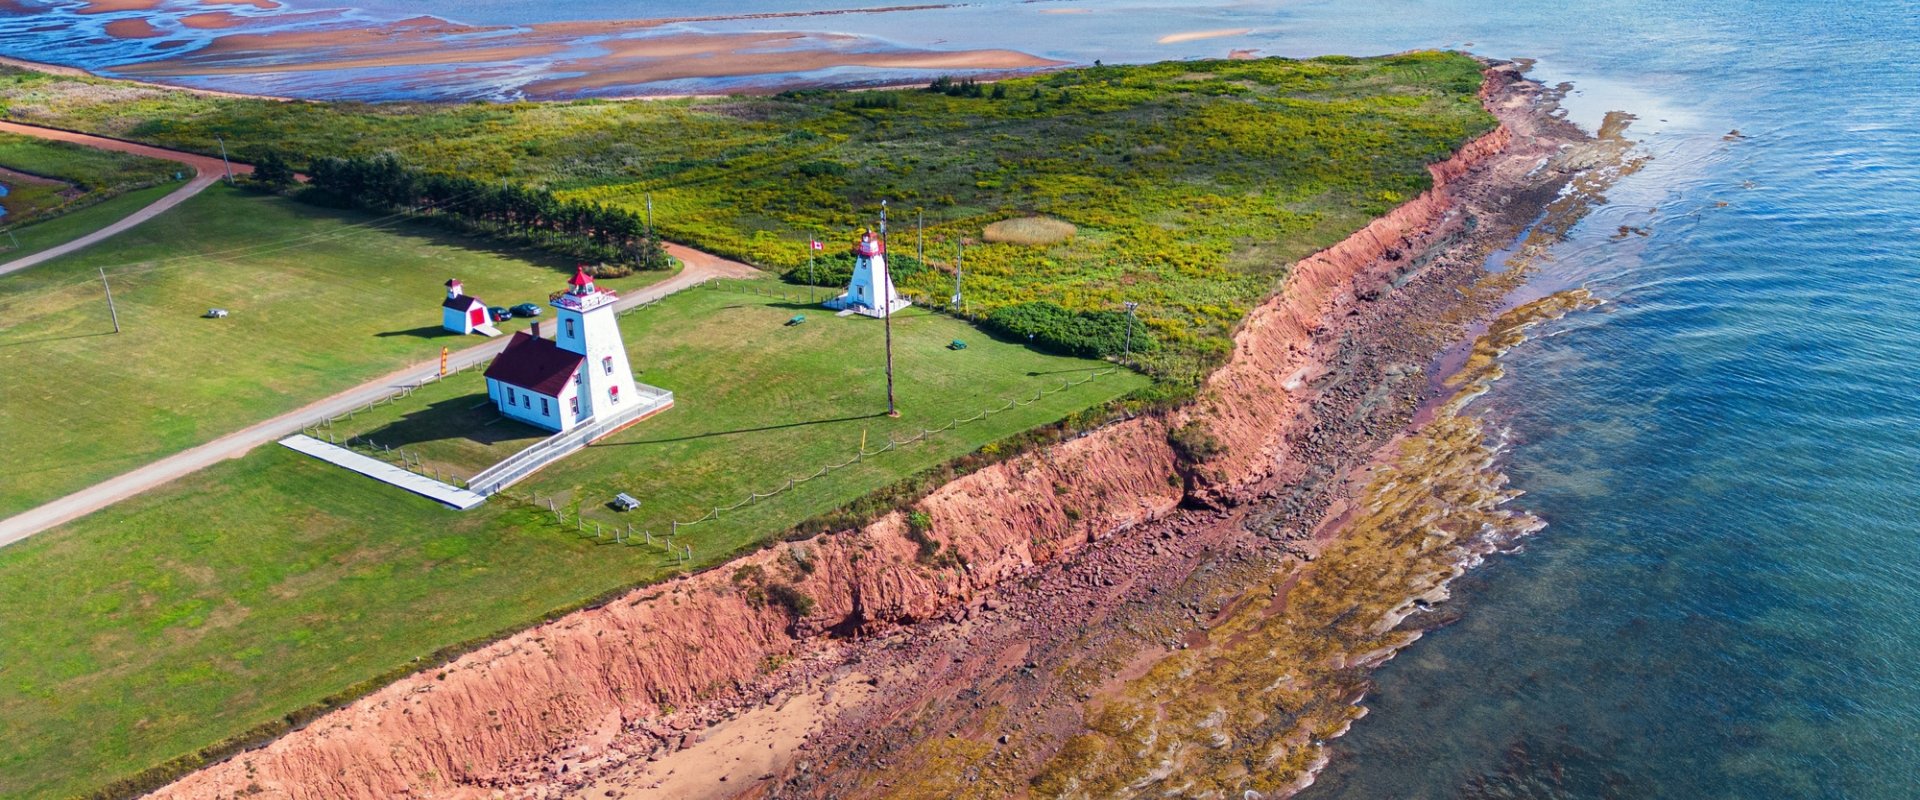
x: 260, y: 586
x: 1194, y: 184
x: 89, y: 176
x: 321, y: 301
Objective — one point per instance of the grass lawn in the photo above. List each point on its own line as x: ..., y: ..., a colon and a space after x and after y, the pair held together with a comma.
x: 89, y: 175
x: 320, y: 300
x: 225, y: 600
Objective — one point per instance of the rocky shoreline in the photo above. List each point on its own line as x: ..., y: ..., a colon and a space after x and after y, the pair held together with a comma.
x: 1036, y: 628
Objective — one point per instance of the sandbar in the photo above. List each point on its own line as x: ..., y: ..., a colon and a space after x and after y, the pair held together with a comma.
x: 211, y: 20
x: 1194, y: 36
x: 135, y: 28
x: 110, y: 6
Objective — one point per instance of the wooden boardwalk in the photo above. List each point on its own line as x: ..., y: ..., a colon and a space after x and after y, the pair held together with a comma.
x: 383, y: 472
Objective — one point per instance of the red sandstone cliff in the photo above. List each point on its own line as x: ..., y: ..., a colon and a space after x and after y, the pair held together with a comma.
x: 559, y: 693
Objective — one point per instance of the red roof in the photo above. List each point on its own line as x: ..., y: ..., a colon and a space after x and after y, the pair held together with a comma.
x: 464, y: 302
x: 535, y: 364
x: 580, y: 277
x: 453, y: 281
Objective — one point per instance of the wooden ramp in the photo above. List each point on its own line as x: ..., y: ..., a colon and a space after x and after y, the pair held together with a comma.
x: 383, y: 472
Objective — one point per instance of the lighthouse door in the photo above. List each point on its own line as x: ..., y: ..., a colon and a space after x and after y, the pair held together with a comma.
x: 479, y: 316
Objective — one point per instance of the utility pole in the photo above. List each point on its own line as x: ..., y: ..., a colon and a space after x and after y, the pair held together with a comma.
x: 649, y: 215
x: 1126, y: 355
x: 920, y: 233
x: 812, y: 245
x: 223, y: 158
x: 886, y: 300
x: 959, y: 269
x: 115, y: 313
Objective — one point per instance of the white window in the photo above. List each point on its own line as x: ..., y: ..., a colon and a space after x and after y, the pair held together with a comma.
x: 569, y: 327
x: 613, y: 393
x: 576, y: 405
x: 543, y: 406
x: 510, y: 400
x: 607, y: 364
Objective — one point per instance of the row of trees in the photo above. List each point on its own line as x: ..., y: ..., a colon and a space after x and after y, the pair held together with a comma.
x: 614, y: 237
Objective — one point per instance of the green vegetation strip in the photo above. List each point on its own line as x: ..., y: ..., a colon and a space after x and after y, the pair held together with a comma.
x: 320, y: 302
x: 262, y: 587
x: 83, y: 176
x: 1192, y: 185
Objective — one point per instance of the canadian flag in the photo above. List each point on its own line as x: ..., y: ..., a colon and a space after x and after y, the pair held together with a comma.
x: 817, y: 245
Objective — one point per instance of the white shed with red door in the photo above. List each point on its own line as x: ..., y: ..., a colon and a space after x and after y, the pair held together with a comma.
x: 461, y: 312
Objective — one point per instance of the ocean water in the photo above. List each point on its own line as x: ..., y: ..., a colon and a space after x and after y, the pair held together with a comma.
x: 1726, y: 602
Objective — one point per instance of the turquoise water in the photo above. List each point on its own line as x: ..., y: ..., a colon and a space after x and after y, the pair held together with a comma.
x: 1726, y: 602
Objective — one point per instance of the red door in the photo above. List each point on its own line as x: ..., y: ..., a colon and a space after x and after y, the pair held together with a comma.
x: 479, y: 316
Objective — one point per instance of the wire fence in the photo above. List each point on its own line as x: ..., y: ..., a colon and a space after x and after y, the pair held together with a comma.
x: 626, y: 533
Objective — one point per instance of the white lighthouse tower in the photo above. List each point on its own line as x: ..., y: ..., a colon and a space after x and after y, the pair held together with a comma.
x: 871, y: 291
x: 587, y: 327
x: 580, y: 375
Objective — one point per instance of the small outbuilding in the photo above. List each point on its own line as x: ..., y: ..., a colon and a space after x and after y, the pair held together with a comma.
x: 461, y: 312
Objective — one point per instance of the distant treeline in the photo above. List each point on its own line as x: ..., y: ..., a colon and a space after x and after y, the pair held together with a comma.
x: 614, y: 237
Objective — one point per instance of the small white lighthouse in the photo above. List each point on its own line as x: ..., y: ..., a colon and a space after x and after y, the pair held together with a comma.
x: 581, y: 374
x: 871, y: 291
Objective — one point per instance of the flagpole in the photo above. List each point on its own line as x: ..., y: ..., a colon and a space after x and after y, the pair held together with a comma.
x: 886, y: 301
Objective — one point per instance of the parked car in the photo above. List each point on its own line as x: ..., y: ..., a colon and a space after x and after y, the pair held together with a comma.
x: 525, y: 310
x: 499, y: 314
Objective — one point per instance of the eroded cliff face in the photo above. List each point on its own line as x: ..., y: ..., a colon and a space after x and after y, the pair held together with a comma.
x: 607, y: 684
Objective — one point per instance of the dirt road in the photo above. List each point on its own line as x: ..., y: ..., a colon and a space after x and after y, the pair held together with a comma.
x: 699, y: 267
x: 207, y: 170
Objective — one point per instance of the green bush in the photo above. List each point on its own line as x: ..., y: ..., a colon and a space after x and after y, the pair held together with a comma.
x: 1194, y: 443
x: 1053, y: 327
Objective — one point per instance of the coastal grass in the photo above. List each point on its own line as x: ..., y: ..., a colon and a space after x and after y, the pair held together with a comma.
x: 320, y: 301
x: 71, y: 225
x: 76, y: 176
x: 1193, y: 184
x: 261, y: 589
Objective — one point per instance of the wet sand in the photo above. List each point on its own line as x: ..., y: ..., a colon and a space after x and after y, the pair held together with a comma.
x: 1194, y: 36
x: 133, y: 29
x: 629, y: 53
x: 111, y: 6
x: 212, y: 20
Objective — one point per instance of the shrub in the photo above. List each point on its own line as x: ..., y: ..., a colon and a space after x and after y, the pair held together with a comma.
x: 796, y: 602
x: 272, y: 171
x: 1052, y: 327
x: 1194, y: 443
x: 920, y: 530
